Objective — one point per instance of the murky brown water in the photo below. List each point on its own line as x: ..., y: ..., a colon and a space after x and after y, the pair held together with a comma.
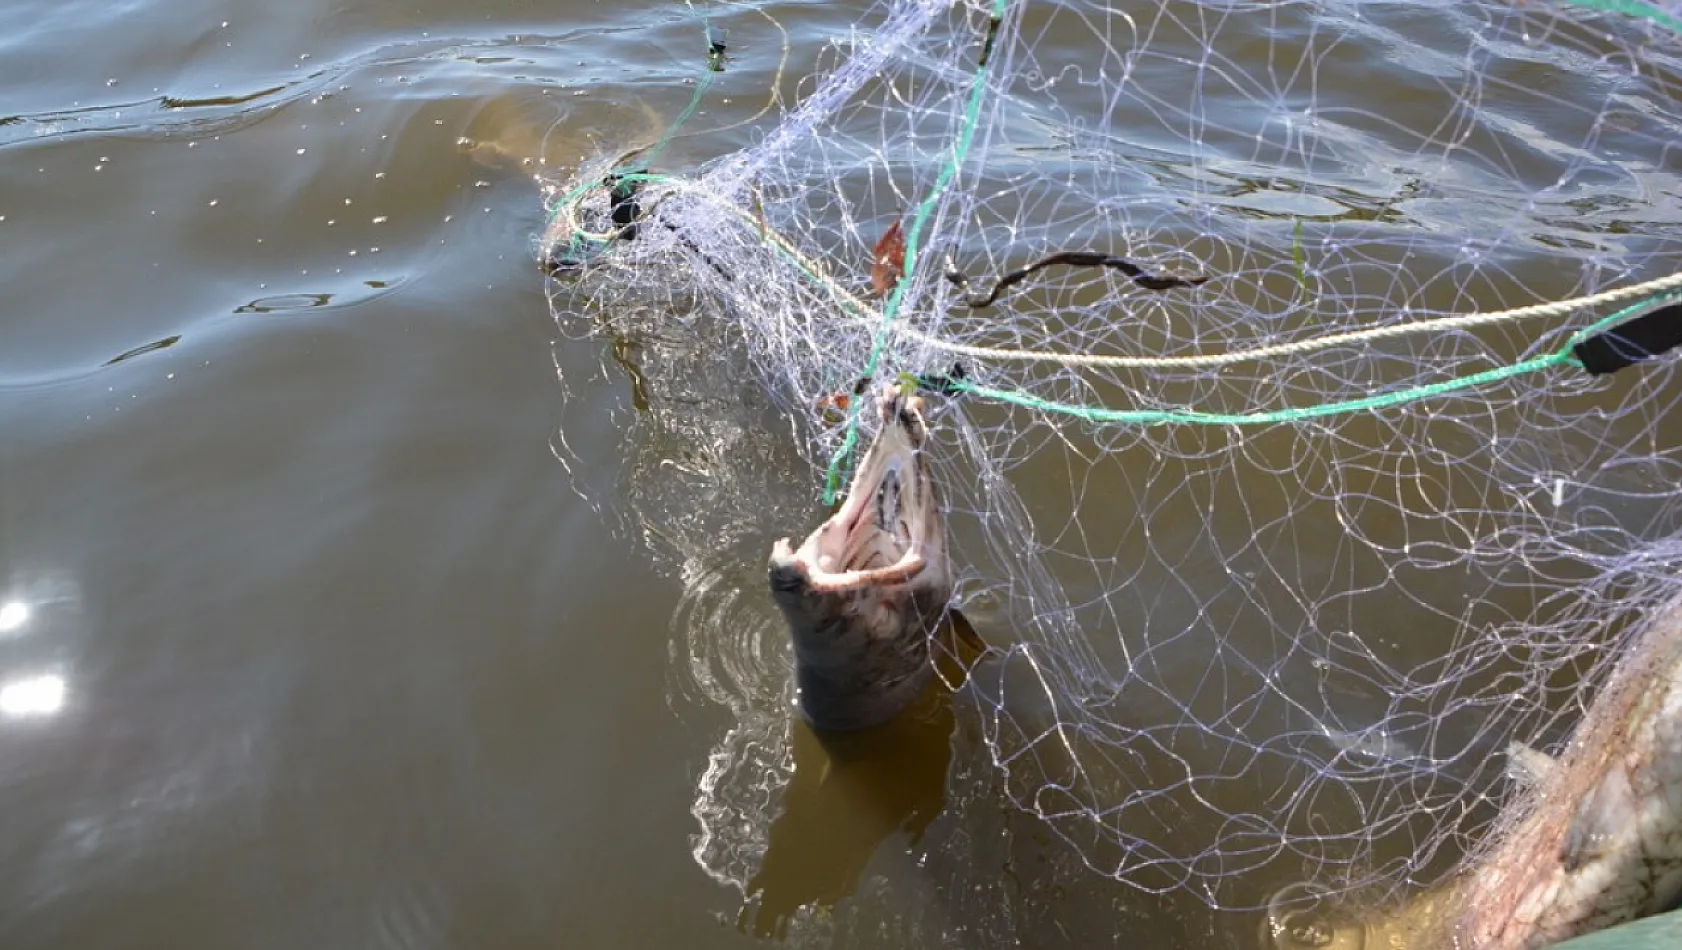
x: 314, y: 628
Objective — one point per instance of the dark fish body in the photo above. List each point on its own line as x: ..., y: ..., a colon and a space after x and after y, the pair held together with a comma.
x: 864, y: 592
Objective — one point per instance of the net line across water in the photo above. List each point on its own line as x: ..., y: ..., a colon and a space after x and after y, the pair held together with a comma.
x: 1298, y: 647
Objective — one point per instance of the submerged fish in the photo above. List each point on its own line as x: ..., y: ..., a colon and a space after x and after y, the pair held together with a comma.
x: 867, y: 588
x: 523, y: 131
x: 1597, y: 839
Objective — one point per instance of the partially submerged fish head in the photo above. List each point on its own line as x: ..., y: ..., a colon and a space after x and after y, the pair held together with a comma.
x: 865, y: 590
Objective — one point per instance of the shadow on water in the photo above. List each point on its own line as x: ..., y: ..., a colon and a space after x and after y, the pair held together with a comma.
x: 849, y: 794
x: 852, y: 792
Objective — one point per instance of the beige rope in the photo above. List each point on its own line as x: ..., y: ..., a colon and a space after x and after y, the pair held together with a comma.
x: 862, y: 310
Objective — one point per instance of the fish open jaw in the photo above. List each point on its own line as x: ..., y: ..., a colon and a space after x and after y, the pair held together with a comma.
x: 865, y: 590
x: 869, y: 542
x: 899, y: 572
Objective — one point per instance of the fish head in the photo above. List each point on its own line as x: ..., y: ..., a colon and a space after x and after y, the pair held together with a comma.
x: 865, y: 589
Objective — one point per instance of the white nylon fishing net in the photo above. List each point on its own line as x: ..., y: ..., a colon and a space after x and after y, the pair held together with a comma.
x: 1270, y: 614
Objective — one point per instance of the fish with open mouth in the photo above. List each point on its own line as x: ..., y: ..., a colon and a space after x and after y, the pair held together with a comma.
x: 866, y: 590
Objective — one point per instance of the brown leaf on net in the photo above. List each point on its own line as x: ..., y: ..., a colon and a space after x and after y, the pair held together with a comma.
x: 889, y: 262
x: 838, y: 403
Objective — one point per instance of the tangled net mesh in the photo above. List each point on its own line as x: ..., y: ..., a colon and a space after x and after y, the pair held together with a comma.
x: 1281, y: 608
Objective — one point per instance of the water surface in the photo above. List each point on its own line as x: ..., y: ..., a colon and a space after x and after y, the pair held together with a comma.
x: 348, y: 600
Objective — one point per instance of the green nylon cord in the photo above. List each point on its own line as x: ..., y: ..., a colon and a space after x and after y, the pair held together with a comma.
x: 1152, y: 417
x: 960, y: 150
x: 1103, y: 415
x: 637, y: 172
x: 1634, y: 8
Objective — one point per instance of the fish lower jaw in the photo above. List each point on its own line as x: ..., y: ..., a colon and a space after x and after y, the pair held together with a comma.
x: 903, y: 571
x: 814, y: 571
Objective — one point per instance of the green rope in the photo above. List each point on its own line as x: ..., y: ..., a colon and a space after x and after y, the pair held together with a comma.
x: 960, y: 151
x: 637, y: 173
x: 1103, y: 415
x: 1152, y: 417
x: 1634, y: 8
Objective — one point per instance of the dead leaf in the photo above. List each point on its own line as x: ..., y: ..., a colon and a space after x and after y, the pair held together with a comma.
x: 889, y: 262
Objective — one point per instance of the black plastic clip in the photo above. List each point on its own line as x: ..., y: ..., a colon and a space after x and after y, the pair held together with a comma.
x: 622, y: 203
x: 715, y: 48
x: 1631, y: 342
x: 945, y: 385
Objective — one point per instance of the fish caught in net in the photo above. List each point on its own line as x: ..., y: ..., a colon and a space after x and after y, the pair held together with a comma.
x: 1299, y: 382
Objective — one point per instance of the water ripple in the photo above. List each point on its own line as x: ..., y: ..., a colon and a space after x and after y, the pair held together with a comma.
x: 174, y: 116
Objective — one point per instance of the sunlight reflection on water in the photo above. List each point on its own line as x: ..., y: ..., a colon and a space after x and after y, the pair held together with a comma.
x: 13, y: 615
x: 32, y: 696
